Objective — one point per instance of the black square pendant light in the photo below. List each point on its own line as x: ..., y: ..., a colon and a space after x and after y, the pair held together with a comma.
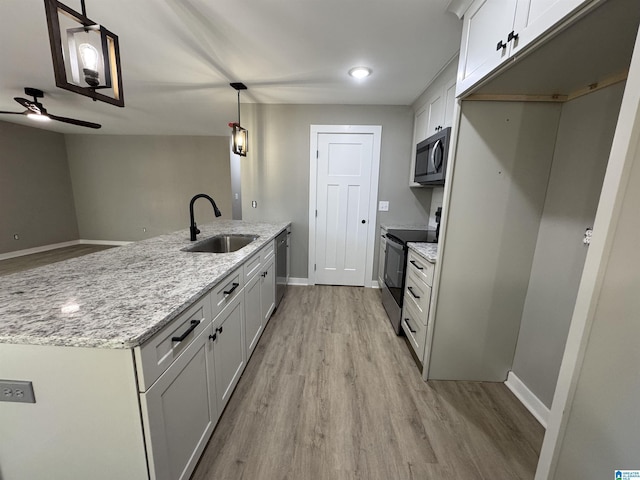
x: 240, y: 135
x: 86, y: 56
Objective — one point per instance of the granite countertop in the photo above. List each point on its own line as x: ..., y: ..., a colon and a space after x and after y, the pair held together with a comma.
x: 118, y: 298
x: 429, y: 251
x: 398, y: 226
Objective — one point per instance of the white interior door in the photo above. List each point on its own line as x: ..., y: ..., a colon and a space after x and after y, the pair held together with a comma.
x: 343, y: 188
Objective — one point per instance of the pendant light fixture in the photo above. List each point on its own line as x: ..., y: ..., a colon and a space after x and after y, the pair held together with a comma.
x: 240, y: 135
x: 86, y: 56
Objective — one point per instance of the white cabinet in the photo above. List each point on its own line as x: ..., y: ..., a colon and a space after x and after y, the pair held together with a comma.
x: 259, y: 295
x: 268, y: 291
x: 253, y: 313
x: 495, y: 30
x: 228, y: 349
x: 436, y: 113
x: 180, y: 412
x: 535, y: 17
x: 417, y: 302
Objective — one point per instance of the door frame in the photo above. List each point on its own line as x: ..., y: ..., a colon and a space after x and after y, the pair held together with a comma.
x: 315, y: 130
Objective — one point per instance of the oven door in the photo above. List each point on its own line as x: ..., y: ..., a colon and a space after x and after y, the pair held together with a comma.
x: 394, y: 265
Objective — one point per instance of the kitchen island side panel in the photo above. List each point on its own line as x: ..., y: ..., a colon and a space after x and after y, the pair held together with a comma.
x: 499, y: 184
x: 86, y: 419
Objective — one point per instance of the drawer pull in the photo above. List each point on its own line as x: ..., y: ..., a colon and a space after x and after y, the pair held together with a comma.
x: 413, y: 262
x: 192, y: 327
x: 406, y: 320
x: 229, y: 292
x: 411, y: 292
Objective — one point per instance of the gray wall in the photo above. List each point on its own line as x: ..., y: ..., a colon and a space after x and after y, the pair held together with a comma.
x: 36, y: 200
x: 580, y: 160
x: 124, y: 184
x: 500, y: 178
x: 603, y: 428
x: 276, y: 171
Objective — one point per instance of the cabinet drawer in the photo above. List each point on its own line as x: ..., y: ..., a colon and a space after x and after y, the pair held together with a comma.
x: 418, y: 265
x: 226, y: 291
x: 252, y: 267
x: 417, y: 293
x: 268, y: 250
x: 157, y: 354
x: 414, y: 329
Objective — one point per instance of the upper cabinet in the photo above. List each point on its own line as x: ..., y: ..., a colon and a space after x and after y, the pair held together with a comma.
x: 496, y: 30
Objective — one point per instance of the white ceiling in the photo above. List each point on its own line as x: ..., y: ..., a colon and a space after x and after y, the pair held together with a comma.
x: 178, y: 57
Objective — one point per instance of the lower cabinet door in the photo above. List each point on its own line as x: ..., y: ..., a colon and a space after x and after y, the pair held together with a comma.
x: 268, y: 291
x: 253, y: 313
x: 178, y: 413
x: 415, y: 329
x: 229, y: 349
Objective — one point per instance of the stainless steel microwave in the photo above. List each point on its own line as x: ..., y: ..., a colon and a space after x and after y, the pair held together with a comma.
x: 431, y: 158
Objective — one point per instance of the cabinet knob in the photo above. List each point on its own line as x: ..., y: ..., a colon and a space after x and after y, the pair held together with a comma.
x: 512, y: 36
x: 213, y: 337
x: 501, y: 45
x: 219, y: 330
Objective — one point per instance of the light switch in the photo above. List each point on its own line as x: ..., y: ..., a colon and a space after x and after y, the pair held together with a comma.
x: 383, y: 206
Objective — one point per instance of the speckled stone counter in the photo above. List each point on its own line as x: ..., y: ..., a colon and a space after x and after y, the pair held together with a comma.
x: 120, y: 297
x: 398, y: 226
x: 429, y: 251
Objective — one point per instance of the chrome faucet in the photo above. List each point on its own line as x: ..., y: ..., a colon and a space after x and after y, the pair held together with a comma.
x: 193, y: 228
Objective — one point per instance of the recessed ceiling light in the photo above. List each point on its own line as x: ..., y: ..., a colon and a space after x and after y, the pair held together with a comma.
x: 360, y: 72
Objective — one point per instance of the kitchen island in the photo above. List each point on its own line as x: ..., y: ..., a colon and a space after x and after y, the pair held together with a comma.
x: 132, y: 354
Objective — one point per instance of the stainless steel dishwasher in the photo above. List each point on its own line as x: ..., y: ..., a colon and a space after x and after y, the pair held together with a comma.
x: 281, y: 265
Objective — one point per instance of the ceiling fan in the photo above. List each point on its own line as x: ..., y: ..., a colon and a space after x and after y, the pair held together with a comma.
x: 36, y: 111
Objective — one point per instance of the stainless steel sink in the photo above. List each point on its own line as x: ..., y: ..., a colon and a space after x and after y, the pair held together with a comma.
x: 222, y: 243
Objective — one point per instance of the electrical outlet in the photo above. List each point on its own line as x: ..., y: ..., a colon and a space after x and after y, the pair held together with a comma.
x: 16, y: 391
x: 383, y: 206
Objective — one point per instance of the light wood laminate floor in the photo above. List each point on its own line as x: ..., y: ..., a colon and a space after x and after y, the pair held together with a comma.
x: 27, y: 262
x: 332, y: 393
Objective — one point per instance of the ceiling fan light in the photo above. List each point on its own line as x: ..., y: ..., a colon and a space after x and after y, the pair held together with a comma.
x: 360, y: 72
x: 39, y: 117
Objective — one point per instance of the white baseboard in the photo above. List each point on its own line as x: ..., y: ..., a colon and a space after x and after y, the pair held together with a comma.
x: 116, y: 243
x: 298, y: 281
x: 43, y: 248
x: 53, y: 246
x: 528, y: 398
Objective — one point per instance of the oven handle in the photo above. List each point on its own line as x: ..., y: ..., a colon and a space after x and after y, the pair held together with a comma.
x: 395, y: 240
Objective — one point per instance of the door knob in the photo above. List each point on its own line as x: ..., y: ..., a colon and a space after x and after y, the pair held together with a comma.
x: 364, y: 221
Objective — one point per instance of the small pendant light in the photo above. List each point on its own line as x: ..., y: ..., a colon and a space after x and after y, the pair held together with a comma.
x: 240, y: 135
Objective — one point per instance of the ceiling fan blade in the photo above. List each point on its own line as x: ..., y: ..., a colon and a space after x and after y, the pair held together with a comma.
x: 13, y: 113
x: 23, y: 101
x: 73, y: 121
